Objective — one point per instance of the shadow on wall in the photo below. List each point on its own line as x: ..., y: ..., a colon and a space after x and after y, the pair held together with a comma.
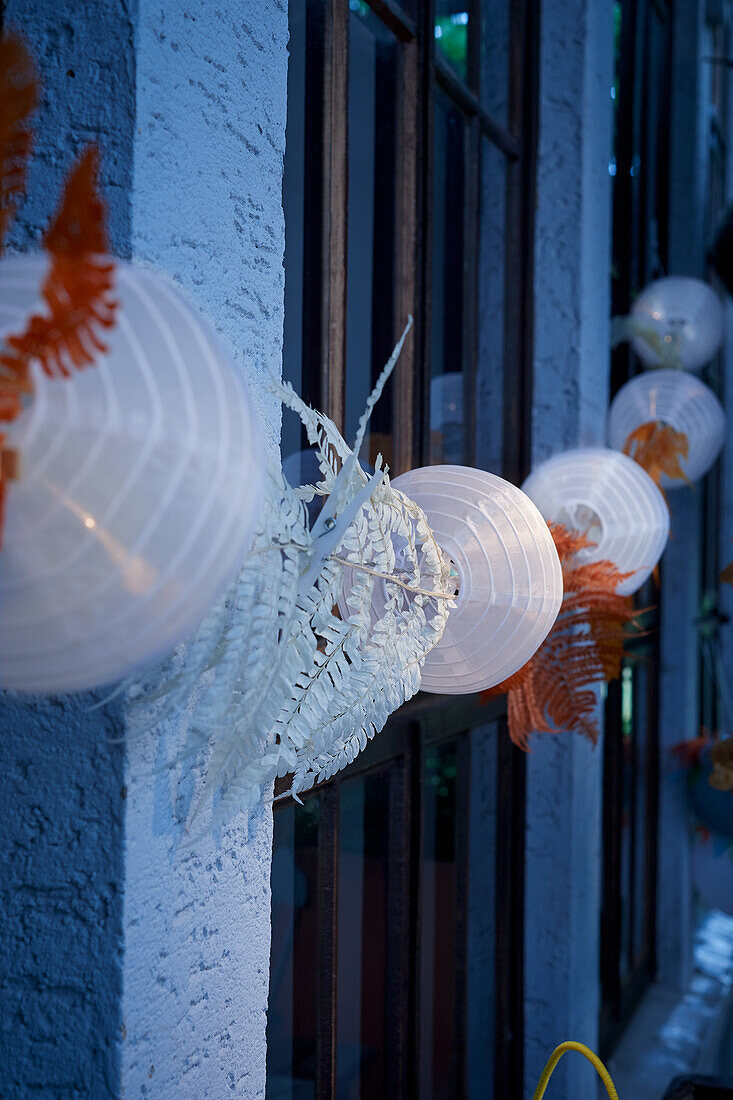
x: 61, y: 880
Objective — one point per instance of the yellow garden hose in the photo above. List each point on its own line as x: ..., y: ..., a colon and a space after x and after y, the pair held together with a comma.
x: 592, y: 1058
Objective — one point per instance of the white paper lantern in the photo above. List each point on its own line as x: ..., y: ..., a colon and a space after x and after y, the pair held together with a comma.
x: 139, y: 487
x: 508, y: 575
x: 679, y: 400
x: 687, y: 315
x: 611, y: 498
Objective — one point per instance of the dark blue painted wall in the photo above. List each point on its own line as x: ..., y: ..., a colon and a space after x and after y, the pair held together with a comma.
x: 61, y: 838
x: 61, y: 775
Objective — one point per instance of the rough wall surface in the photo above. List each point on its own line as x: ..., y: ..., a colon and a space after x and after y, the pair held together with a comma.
x: 211, y: 90
x: 60, y: 899
x: 570, y: 397
x: 61, y: 868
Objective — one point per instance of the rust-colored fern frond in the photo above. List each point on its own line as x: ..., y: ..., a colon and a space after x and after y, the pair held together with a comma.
x: 77, y: 289
x: 554, y: 690
x: 18, y: 98
x: 659, y: 449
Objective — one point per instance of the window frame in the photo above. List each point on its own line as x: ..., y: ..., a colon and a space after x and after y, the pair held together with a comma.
x: 639, y: 255
x: 324, y: 334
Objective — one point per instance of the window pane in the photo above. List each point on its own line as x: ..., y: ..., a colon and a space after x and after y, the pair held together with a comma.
x: 627, y: 809
x: 453, y: 25
x: 447, y: 397
x: 641, y: 779
x: 292, y: 1006
x: 490, y: 406
x: 441, y: 955
x: 371, y: 225
x: 364, y: 938
x: 481, y: 922
x: 496, y: 54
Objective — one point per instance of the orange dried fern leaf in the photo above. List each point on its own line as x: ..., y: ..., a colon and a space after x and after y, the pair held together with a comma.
x: 77, y: 289
x: 659, y: 449
x: 18, y: 99
x: 554, y: 690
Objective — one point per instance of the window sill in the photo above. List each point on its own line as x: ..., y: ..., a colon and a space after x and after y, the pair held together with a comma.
x: 672, y: 1033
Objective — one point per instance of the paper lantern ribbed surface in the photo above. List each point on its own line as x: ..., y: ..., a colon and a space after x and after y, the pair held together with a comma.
x: 606, y: 494
x: 687, y: 314
x: 509, y: 576
x: 139, y: 487
x: 680, y: 400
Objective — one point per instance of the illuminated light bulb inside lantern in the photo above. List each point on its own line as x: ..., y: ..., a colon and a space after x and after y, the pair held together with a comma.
x: 140, y: 484
x: 606, y: 496
x: 682, y: 402
x: 685, y: 313
x: 508, y: 579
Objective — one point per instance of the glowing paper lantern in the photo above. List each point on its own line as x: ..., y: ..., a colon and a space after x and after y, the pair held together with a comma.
x: 139, y: 487
x: 686, y: 314
x: 680, y: 400
x: 608, y: 496
x: 508, y: 575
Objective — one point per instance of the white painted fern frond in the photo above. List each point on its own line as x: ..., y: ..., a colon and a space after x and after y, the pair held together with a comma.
x: 287, y: 685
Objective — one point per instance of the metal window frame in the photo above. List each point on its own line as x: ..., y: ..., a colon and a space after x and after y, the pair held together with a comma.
x: 324, y: 333
x: 632, y: 266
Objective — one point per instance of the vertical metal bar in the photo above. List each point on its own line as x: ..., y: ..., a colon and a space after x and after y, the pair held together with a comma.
x: 416, y: 853
x: 509, y: 956
x: 463, y: 789
x: 426, y: 42
x: 652, y: 799
x: 399, y: 927
x: 326, y: 952
x: 611, y: 890
x: 471, y: 237
x: 519, y: 269
x: 335, y: 209
x: 407, y: 256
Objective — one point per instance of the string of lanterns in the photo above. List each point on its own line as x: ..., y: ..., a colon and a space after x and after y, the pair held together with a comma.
x: 138, y: 486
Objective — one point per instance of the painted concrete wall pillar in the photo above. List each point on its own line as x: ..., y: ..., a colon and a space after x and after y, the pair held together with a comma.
x: 207, y: 208
x: 572, y: 306
x: 132, y: 964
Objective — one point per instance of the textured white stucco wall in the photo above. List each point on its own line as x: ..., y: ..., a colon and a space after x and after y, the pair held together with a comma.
x: 207, y: 209
x: 572, y: 307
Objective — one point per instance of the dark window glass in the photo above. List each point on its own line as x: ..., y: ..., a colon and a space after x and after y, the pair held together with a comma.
x: 371, y: 227
x: 441, y: 960
x: 447, y: 385
x: 292, y: 1003
x: 640, y: 93
x: 490, y: 381
x: 363, y: 1038
x: 627, y: 814
x: 481, y: 889
x: 640, y: 869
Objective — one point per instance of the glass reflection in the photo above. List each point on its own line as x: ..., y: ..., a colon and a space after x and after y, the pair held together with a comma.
x: 452, y: 28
